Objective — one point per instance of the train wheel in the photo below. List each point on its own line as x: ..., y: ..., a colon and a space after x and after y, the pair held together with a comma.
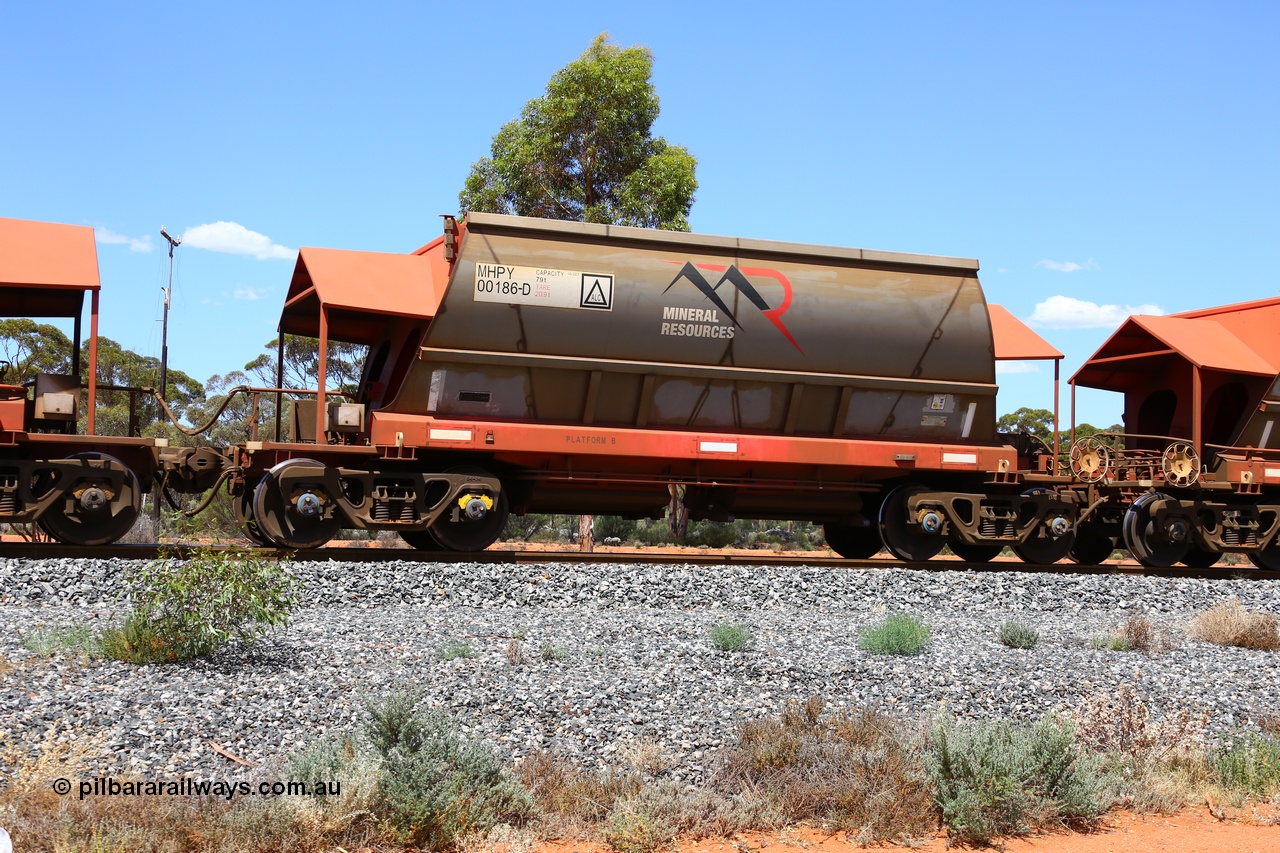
x: 1139, y: 530
x: 421, y: 540
x: 1042, y: 549
x: 1197, y: 559
x: 853, y: 543
x: 975, y: 553
x: 1091, y: 546
x: 1268, y: 558
x: 242, y: 507
x: 295, y: 520
x: 466, y: 534
x: 902, y: 534
x: 103, y: 510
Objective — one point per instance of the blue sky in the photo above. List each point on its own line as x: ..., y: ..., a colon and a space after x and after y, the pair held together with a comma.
x: 1119, y: 155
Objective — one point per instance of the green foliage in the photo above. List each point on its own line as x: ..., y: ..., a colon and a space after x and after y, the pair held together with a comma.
x: 711, y: 534
x: 995, y: 779
x: 1250, y: 764
x: 1038, y: 422
x: 728, y: 637
x: 344, y: 362
x: 900, y: 634
x: 614, y: 527
x: 135, y: 640
x: 29, y: 348
x: 76, y: 639
x: 455, y: 649
x: 438, y: 786
x: 190, y: 608
x: 635, y: 827
x: 549, y: 651
x: 1019, y: 635
x: 585, y: 151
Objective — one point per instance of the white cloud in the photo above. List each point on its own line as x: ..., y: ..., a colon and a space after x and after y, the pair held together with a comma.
x: 1060, y: 266
x: 250, y: 294
x: 234, y: 239
x: 1064, y: 312
x: 1003, y: 368
x: 107, y: 237
x: 1067, y: 266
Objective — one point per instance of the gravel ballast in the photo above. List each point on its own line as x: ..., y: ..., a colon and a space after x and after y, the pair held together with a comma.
x: 592, y: 660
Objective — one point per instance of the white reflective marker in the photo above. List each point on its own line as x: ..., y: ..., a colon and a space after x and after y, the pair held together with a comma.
x: 450, y: 434
x: 718, y: 446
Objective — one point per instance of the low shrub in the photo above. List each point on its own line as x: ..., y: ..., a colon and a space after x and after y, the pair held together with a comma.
x: 1249, y: 765
x: 437, y: 786
x: 1151, y: 765
x: 855, y: 771
x: 571, y: 795
x: 1137, y: 634
x: 1230, y: 624
x: 995, y: 779
x: 454, y: 649
x: 1019, y: 635
x: 900, y: 634
x: 728, y: 637
x: 549, y: 651
x: 62, y: 639
x: 190, y: 608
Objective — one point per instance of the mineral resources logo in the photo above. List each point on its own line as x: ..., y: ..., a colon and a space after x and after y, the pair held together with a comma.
x: 706, y: 323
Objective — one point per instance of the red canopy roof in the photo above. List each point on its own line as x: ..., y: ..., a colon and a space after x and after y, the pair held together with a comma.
x: 45, y: 268
x: 1241, y: 338
x: 1015, y: 340
x: 357, y: 289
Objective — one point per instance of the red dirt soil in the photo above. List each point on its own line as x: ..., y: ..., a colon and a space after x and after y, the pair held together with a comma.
x: 1191, y: 831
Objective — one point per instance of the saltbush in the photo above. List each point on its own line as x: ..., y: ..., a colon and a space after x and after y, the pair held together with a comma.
x: 994, y: 779
x: 728, y: 637
x: 1019, y: 635
x: 438, y: 786
x: 1250, y: 764
x: 900, y: 634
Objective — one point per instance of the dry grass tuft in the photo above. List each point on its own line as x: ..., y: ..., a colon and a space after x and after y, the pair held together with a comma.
x: 570, y: 797
x: 854, y: 770
x: 1230, y: 624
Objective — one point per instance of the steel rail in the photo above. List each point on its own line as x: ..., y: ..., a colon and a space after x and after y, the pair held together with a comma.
x: 54, y: 551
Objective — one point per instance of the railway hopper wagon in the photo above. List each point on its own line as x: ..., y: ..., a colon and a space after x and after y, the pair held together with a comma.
x: 523, y: 365
x: 1196, y: 473
x: 78, y: 487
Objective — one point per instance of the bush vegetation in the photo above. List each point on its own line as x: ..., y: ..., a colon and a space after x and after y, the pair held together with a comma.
x: 646, y: 532
x: 190, y: 608
x: 995, y: 779
x: 855, y: 771
x: 729, y: 637
x: 1249, y: 765
x: 1137, y: 634
x: 409, y: 778
x: 899, y: 634
x: 1019, y: 635
x: 454, y: 649
x: 1230, y: 624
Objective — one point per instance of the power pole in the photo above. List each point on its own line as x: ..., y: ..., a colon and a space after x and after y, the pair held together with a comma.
x: 174, y: 242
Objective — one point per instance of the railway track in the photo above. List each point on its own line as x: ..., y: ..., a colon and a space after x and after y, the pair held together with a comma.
x: 45, y: 550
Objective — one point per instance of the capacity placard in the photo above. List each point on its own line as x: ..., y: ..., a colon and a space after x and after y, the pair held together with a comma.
x: 546, y: 287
